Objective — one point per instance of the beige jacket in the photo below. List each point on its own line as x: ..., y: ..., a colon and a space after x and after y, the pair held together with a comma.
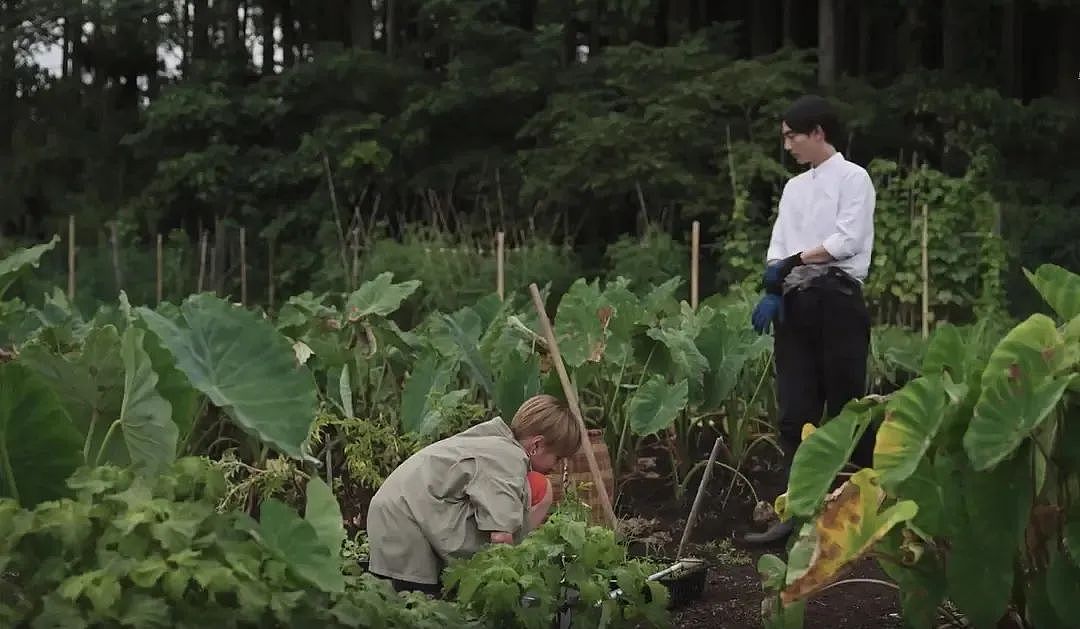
x: 445, y: 500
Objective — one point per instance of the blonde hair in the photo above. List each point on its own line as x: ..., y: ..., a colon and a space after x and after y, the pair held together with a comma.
x: 549, y: 417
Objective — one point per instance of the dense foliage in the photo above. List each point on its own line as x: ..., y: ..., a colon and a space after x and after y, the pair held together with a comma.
x: 322, y: 131
x: 972, y: 495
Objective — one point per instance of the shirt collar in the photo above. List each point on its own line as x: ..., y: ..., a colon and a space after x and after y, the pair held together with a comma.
x: 828, y: 165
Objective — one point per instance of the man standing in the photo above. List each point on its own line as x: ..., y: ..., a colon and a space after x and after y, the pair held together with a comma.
x: 818, y: 258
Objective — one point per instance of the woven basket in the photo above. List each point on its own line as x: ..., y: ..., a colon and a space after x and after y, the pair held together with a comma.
x: 575, y: 472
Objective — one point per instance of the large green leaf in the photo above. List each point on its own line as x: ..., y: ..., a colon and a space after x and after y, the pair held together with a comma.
x: 922, y: 582
x: 655, y: 405
x: 173, y: 385
x: 427, y: 383
x: 848, y: 527
x: 924, y: 489
x: 380, y: 297
x: 728, y: 345
x: 324, y: 514
x: 12, y: 266
x: 580, y: 326
x: 1059, y: 287
x: 1018, y: 391
x: 822, y: 455
x: 145, y: 416
x: 946, y: 352
x: 467, y: 343
x: 243, y: 365
x: 39, y: 446
x: 90, y: 384
x: 518, y: 381
x: 912, y: 419
x: 986, y: 517
x: 625, y: 313
x: 682, y: 357
x: 296, y: 542
x: 1063, y: 588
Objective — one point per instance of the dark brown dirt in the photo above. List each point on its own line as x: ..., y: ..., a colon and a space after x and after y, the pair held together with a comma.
x: 733, y: 593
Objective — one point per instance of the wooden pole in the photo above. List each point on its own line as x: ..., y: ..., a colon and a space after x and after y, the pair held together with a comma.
x: 71, y: 258
x: 243, y: 267
x: 572, y: 401
x: 695, y: 240
x: 202, y: 263
x: 925, y: 270
x: 698, y: 498
x: 500, y: 281
x: 160, y: 265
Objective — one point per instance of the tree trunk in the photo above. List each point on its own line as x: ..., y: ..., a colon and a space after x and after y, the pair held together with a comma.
x: 952, y: 37
x: 288, y: 35
x: 390, y: 30
x: 269, y: 47
x: 866, y: 25
x: 1010, y: 59
x: 200, y: 38
x: 660, y: 23
x: 763, y: 14
x: 361, y: 24
x: 7, y: 84
x: 1069, y: 53
x: 527, y: 16
x: 910, y: 40
x: 595, y: 11
x: 826, y: 43
x: 788, y: 23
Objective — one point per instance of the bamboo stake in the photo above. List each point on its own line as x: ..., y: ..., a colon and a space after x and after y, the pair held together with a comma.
x: 202, y: 263
x: 572, y: 400
x: 698, y: 498
x: 71, y: 258
x: 159, y: 266
x: 695, y: 244
x: 500, y: 281
x: 925, y: 271
x: 243, y: 267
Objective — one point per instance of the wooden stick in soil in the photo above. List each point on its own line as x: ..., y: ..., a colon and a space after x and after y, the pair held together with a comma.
x: 202, y: 263
x: 243, y: 267
x: 158, y: 266
x: 698, y: 498
x: 925, y: 271
x: 500, y: 281
x: 71, y: 258
x: 572, y: 401
x: 695, y: 240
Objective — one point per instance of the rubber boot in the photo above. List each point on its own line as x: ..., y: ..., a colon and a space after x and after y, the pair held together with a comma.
x: 779, y: 532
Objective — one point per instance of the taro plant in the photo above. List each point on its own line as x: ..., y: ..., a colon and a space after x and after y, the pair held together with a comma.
x: 972, y: 498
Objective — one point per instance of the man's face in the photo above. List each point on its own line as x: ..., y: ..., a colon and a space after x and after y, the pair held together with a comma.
x: 802, y: 146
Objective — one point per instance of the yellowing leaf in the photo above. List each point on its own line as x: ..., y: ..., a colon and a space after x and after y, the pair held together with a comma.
x: 807, y: 430
x: 847, y: 528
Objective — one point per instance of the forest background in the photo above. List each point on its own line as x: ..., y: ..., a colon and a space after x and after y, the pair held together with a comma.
x: 347, y: 138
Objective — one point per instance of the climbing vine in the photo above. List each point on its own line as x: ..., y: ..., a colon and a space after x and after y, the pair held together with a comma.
x: 965, y: 254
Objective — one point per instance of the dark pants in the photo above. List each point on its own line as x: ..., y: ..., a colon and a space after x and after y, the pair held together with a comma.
x: 821, y: 351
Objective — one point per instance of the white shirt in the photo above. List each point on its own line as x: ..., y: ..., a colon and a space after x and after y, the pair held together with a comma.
x: 831, y: 205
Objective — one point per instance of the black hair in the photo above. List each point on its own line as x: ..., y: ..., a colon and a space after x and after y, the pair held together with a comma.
x: 809, y: 112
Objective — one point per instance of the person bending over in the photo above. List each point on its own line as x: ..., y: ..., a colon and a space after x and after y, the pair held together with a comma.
x: 455, y: 496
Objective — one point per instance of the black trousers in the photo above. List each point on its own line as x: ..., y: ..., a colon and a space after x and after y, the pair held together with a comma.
x: 821, y: 350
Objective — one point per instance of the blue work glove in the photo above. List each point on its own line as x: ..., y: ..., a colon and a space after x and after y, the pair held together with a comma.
x: 773, y: 280
x: 770, y: 307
